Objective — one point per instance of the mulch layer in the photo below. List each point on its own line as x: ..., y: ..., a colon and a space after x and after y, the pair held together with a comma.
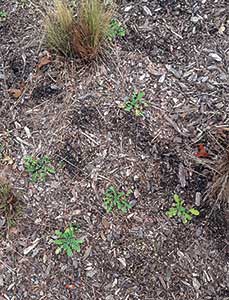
x: 177, y: 53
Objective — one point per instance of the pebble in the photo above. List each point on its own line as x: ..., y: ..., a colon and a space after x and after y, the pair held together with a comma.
x: 198, y: 199
x: 1, y: 281
x: 91, y: 273
x: 142, y: 77
x: 195, y: 19
x: 203, y: 79
x: 110, y: 297
x: 147, y: 10
x: 199, y: 232
x: 162, y: 78
x: 175, y: 72
x: 196, y: 283
x: 215, y: 56
x: 128, y: 8
x: 2, y: 221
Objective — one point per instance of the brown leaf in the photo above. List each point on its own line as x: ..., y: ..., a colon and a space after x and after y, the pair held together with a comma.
x: 13, y: 230
x: 16, y: 93
x: 44, y: 61
x: 70, y: 286
x: 201, y: 152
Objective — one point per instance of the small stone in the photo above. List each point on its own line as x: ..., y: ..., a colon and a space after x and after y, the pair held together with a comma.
x: 136, y: 193
x: 195, y: 19
x: 110, y: 297
x: 203, y: 79
x: 128, y: 8
x: 136, y: 178
x: 162, y: 78
x: 142, y: 77
x: 215, y: 56
x: 75, y: 263
x: 196, y: 284
x: 223, y: 77
x: 122, y: 260
x: 1, y: 281
x: 219, y: 105
x: 175, y: 72
x: 198, y: 199
x: 2, y: 221
x: 199, y: 232
x: 133, y: 202
x: 91, y: 273
x: 147, y: 10
x: 54, y: 87
x: 193, y: 77
x: 182, y: 175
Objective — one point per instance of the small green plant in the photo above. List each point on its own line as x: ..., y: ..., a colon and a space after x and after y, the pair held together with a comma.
x: 3, y: 15
x: 38, y: 168
x: 180, y: 211
x: 113, y: 198
x: 66, y: 241
x: 136, y: 104
x: 115, y: 30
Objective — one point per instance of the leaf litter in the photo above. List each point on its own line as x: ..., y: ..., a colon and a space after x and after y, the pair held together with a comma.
x: 175, y: 51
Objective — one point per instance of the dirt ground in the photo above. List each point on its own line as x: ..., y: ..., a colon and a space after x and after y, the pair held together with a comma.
x: 177, y: 52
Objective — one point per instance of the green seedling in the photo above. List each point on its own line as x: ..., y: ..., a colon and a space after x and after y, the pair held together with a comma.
x: 113, y: 198
x: 38, y: 168
x: 66, y: 241
x: 136, y: 104
x: 3, y: 15
x: 178, y: 210
x: 115, y: 30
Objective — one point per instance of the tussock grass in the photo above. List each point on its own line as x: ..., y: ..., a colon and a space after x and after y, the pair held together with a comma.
x: 83, y: 35
x: 8, y: 202
x: 91, y: 28
x: 59, y: 26
x: 220, y: 185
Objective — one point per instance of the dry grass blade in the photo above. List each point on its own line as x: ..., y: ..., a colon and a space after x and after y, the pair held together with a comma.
x: 220, y: 187
x: 8, y: 203
x: 59, y: 26
x: 91, y: 28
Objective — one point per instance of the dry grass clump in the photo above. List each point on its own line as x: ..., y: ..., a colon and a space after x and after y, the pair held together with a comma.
x: 220, y: 186
x: 83, y: 35
x: 59, y: 25
x: 8, y: 204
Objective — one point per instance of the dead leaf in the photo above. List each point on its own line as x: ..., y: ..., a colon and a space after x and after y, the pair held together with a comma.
x: 222, y: 28
x: 136, y: 193
x: 44, y: 61
x: 16, y: 93
x: 106, y: 223
x: 201, y: 151
x: 70, y: 286
x: 13, y: 230
x: 8, y: 160
x: 87, y: 253
x: 30, y: 248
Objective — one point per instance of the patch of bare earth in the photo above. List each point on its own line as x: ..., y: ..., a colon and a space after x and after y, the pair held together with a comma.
x: 177, y: 52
